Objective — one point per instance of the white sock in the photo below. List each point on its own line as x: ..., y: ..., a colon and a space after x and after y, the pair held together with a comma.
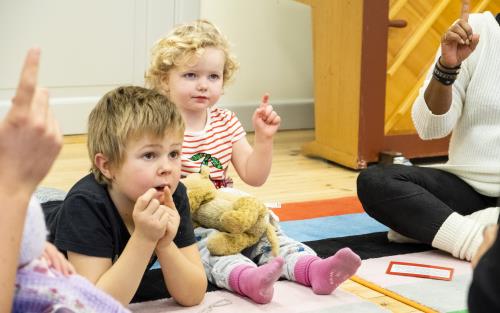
x: 485, y: 216
x: 459, y: 236
x: 394, y: 236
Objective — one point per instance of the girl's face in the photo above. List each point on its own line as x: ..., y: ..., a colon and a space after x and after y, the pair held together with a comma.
x: 197, y: 84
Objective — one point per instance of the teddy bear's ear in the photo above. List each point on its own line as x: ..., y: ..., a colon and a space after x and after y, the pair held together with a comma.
x: 205, y: 171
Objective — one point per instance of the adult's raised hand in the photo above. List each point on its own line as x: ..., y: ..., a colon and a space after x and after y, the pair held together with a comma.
x: 459, y: 41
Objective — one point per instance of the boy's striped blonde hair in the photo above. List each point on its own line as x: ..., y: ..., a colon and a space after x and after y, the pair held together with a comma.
x: 128, y: 113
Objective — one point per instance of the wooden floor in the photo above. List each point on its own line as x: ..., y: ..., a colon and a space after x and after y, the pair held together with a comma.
x: 294, y: 178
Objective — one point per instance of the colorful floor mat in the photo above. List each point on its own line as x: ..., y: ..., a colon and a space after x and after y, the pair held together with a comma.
x: 289, y: 297
x: 323, y: 219
x: 329, y: 225
x: 326, y: 228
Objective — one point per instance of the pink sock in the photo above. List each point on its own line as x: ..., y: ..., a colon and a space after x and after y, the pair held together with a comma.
x: 257, y: 283
x: 325, y: 275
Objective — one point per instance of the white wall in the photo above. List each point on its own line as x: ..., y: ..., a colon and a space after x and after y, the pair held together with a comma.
x: 88, y: 47
x: 272, y: 40
x: 91, y: 46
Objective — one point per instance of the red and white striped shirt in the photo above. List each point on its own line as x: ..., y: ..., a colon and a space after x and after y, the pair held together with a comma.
x: 212, y: 146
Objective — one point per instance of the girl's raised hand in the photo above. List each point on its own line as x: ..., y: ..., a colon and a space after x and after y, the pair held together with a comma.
x: 265, y: 120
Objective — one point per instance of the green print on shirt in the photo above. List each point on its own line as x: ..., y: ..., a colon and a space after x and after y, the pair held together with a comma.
x: 206, y: 159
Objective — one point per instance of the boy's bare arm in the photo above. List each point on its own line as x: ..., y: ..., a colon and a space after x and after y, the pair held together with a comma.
x: 182, y: 270
x: 183, y: 273
x: 121, y: 279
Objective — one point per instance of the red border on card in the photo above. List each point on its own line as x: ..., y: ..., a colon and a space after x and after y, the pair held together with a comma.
x: 419, y: 275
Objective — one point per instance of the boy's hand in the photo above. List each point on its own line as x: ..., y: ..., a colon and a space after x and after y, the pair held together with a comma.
x: 173, y: 220
x: 150, y: 218
x: 56, y: 260
x: 265, y: 120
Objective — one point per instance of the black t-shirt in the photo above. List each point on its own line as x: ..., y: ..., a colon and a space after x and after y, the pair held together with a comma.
x: 87, y: 222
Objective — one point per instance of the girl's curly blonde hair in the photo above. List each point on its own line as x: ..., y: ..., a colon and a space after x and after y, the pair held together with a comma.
x: 182, y: 43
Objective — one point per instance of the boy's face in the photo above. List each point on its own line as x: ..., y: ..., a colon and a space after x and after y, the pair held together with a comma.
x: 148, y: 163
x: 198, y: 84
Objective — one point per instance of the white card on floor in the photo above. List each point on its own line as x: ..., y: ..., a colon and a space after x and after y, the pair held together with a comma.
x: 420, y: 270
x: 273, y: 205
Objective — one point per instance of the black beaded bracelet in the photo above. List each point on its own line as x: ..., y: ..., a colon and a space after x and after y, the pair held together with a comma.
x: 447, y: 69
x: 443, y: 77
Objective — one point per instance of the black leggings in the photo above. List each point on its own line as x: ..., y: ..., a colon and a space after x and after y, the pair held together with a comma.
x: 415, y: 201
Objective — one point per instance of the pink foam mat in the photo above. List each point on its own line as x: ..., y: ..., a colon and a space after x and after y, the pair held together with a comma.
x: 289, y: 297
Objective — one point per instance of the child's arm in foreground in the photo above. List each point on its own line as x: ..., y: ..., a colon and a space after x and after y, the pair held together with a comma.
x: 29, y: 142
x: 182, y: 269
x: 253, y: 164
x: 122, y: 278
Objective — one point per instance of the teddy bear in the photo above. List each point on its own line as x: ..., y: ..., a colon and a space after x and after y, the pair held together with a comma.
x: 240, y: 220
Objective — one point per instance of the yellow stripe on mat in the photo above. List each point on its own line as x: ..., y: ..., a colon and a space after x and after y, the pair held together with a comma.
x: 393, y: 295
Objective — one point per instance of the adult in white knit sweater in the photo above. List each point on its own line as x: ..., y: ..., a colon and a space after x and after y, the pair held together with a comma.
x: 448, y: 205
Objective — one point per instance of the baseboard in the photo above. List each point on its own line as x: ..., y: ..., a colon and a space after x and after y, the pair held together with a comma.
x: 72, y: 113
x: 294, y: 113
